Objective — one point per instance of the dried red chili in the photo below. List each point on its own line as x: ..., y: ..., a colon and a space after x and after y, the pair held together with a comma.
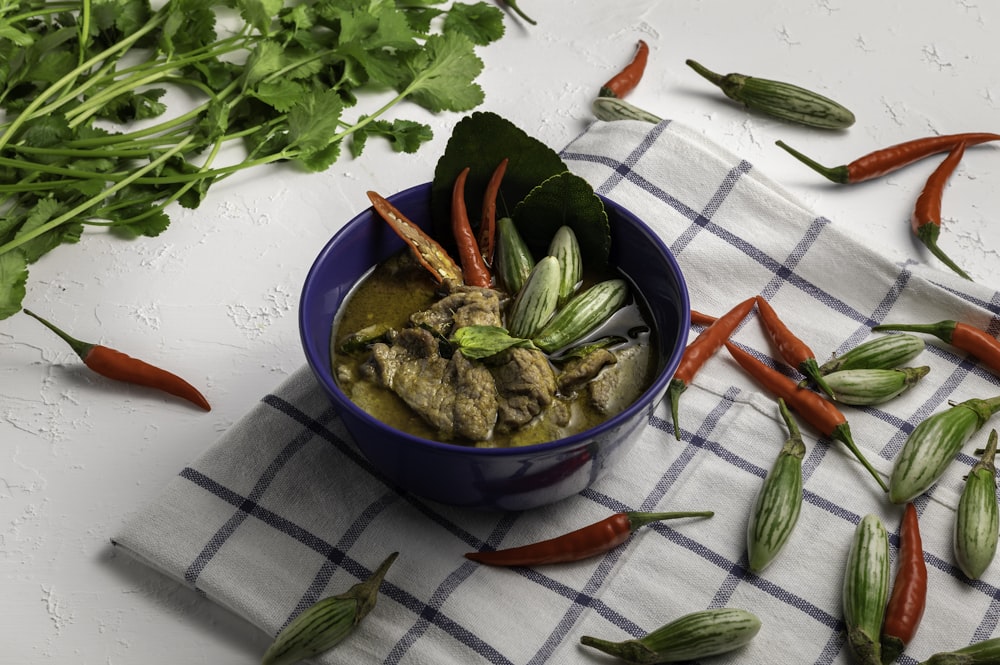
x: 628, y: 78
x: 795, y: 352
x: 488, y: 222
x: 887, y: 160
x: 813, y: 407
x: 909, y: 591
x: 121, y: 367
x: 474, y: 270
x: 926, y: 218
x: 700, y: 350
x: 586, y: 542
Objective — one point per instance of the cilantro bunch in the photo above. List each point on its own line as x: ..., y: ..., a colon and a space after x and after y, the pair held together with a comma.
x: 86, y: 137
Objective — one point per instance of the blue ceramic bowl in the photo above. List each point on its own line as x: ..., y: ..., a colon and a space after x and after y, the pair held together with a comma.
x: 490, y: 478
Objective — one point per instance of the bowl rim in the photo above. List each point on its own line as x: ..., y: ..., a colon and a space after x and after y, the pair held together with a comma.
x: 646, y: 400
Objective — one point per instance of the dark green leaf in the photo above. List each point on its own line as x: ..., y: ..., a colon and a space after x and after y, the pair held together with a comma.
x: 565, y: 200
x: 481, y: 141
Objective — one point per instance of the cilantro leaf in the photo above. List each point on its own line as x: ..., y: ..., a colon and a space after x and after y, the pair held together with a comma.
x: 403, y: 135
x: 481, y: 23
x: 443, y: 74
x: 44, y: 210
x: 13, y: 277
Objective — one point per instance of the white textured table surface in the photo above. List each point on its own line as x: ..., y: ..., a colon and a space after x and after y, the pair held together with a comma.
x: 215, y: 297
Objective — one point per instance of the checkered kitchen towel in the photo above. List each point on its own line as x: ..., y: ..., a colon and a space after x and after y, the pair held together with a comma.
x: 283, y: 510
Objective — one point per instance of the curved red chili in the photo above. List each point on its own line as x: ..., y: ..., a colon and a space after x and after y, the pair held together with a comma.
x: 893, y: 158
x: 794, y: 351
x: 628, y: 78
x: 702, y: 319
x: 813, y: 407
x: 700, y: 350
x: 428, y: 252
x: 488, y: 222
x: 926, y: 217
x: 978, y: 343
x: 583, y: 543
x: 909, y: 591
x: 121, y: 367
x: 474, y: 270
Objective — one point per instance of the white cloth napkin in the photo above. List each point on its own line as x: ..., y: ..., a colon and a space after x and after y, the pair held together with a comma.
x: 283, y: 510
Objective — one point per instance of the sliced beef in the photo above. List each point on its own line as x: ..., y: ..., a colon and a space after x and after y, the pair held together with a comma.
x: 579, y: 371
x: 463, y: 306
x: 454, y: 395
x: 525, y: 385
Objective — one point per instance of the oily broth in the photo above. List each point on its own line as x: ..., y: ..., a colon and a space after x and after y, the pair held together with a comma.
x: 400, y: 286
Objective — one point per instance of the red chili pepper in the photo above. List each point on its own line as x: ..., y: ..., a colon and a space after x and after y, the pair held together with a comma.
x: 960, y: 335
x: 813, y: 407
x: 429, y: 253
x: 893, y: 158
x: 628, y: 78
x: 120, y: 367
x: 909, y: 591
x: 589, y: 541
x: 488, y: 223
x: 701, y: 319
x: 795, y: 352
x: 474, y: 270
x: 926, y: 218
x: 700, y: 350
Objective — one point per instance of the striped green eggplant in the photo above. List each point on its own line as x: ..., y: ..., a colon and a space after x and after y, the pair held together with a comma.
x: 582, y: 314
x: 566, y: 249
x: 691, y: 637
x: 883, y: 352
x: 986, y: 652
x: 977, y: 521
x: 933, y: 444
x: 779, y: 99
x: 537, y: 300
x: 513, y: 261
x: 779, y: 501
x: 326, y: 623
x: 866, y: 589
x: 867, y: 387
x: 610, y: 109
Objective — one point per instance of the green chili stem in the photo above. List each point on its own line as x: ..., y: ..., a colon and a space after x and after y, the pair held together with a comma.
x: 81, y: 348
x: 640, y: 519
x: 943, y: 330
x: 838, y: 174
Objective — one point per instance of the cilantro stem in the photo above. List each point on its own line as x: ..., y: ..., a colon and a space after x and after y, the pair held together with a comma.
x: 71, y: 76
x: 84, y: 30
x: 89, y: 203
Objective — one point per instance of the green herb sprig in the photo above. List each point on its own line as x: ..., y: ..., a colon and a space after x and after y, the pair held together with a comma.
x: 87, y: 140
